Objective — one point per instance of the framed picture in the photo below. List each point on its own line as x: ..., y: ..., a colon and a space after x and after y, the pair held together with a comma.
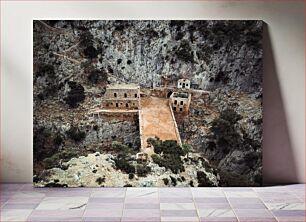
x: 147, y: 103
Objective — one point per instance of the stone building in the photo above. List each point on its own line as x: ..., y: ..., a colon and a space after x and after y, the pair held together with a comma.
x: 180, y: 102
x: 183, y: 84
x: 121, y: 96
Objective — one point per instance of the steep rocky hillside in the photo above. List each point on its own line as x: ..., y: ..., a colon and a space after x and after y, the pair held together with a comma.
x: 75, y: 60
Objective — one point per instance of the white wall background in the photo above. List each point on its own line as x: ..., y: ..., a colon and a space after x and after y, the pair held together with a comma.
x: 284, y: 64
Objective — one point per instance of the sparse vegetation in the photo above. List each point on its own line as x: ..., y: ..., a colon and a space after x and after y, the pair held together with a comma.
x: 171, y: 154
x: 123, y: 164
x: 166, y: 181
x: 76, y: 134
x: 203, y: 180
x: 184, y: 51
x: 173, y: 181
x: 143, y: 170
x: 75, y: 95
x: 100, y: 180
x: 225, y: 132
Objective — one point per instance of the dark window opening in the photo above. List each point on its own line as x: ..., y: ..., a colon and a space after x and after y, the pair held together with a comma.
x: 135, y: 95
x: 174, y: 108
x: 175, y: 101
x: 117, y: 105
x: 182, y: 103
x: 115, y: 94
x: 183, y: 85
x: 187, y: 84
x: 126, y: 105
x: 181, y: 109
x: 125, y: 95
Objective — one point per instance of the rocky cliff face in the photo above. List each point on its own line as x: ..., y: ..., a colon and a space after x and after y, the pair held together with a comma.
x: 75, y: 60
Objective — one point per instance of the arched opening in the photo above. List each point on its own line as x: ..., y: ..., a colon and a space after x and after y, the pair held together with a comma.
x: 125, y: 95
x: 169, y: 94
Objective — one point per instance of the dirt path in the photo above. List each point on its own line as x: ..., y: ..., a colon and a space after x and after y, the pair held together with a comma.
x: 157, y: 119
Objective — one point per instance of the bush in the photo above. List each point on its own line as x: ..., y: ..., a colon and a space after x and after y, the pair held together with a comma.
x: 123, y: 164
x: 76, y: 134
x: 224, y: 131
x: 230, y: 115
x: 203, y: 180
x: 184, y: 52
x: 119, y: 147
x: 166, y: 147
x: 96, y: 76
x: 100, y: 180
x: 75, y: 95
x: 131, y: 176
x: 173, y: 180
x: 143, y: 170
x: 191, y: 183
x: 186, y: 148
x: 166, y: 181
x: 170, y: 161
x: 58, y: 140
x: 46, y: 70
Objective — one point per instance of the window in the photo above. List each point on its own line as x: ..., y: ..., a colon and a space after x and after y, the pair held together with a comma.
x: 182, y: 102
x: 117, y: 104
x: 175, y: 101
x: 115, y: 94
x: 174, y: 108
x: 180, y: 83
x: 135, y: 95
x: 125, y: 95
x: 181, y: 109
x: 126, y: 105
x: 112, y: 104
x: 183, y: 85
x: 186, y: 84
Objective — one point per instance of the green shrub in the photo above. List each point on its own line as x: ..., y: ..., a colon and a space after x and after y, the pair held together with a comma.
x: 166, y: 181
x: 100, y: 180
x: 119, y: 147
x: 58, y: 140
x: 143, y: 170
x: 131, y: 176
x: 76, y: 134
x: 203, y: 180
x: 123, y: 164
x: 224, y: 131
x: 191, y: 183
x: 173, y: 180
x: 166, y: 147
x: 76, y: 94
x: 170, y: 161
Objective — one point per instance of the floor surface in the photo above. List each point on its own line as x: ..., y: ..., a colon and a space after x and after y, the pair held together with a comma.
x: 22, y: 202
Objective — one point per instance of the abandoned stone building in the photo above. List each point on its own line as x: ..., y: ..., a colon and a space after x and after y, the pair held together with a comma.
x: 121, y: 96
x: 180, y: 101
x: 183, y: 84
